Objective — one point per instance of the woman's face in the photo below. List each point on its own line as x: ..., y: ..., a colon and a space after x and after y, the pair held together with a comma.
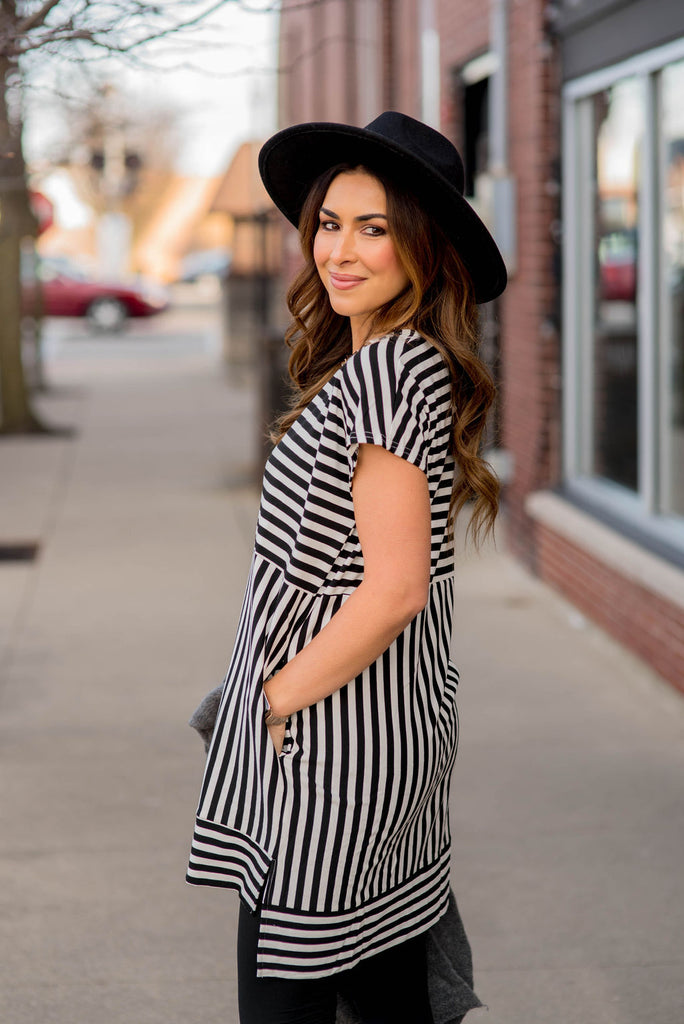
x: 354, y: 254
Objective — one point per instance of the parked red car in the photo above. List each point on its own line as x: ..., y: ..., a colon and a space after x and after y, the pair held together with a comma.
x: 69, y: 291
x: 617, y: 254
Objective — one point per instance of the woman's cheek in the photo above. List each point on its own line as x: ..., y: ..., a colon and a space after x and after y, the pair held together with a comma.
x: 320, y: 248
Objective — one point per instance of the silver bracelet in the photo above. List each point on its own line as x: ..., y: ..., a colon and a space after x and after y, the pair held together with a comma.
x: 270, y: 717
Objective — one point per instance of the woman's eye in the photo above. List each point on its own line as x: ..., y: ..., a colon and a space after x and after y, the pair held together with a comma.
x: 327, y: 225
x: 374, y: 230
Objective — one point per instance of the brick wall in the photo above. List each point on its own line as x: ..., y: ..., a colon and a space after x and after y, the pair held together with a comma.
x: 407, y: 58
x: 643, y: 621
x: 530, y: 356
x: 328, y: 50
x: 528, y: 310
x: 317, y: 56
x: 464, y: 34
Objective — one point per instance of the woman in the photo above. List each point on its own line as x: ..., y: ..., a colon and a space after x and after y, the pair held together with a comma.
x: 325, y: 796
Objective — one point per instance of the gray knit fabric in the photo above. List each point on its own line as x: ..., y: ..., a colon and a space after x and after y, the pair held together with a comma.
x: 204, y: 716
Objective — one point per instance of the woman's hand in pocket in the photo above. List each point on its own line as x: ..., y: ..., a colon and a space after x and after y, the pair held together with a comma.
x: 277, y: 734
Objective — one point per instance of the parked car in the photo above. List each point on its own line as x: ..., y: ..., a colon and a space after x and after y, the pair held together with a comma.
x: 107, y: 305
x: 204, y: 263
x: 617, y: 254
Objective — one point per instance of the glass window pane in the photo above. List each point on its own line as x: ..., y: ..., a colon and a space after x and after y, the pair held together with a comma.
x: 619, y: 126
x: 672, y: 338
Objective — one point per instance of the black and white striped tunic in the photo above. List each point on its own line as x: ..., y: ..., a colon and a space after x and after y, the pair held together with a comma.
x: 343, y: 840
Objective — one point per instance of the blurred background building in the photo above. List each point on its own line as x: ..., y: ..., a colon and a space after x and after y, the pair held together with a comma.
x: 250, y: 300
x: 570, y: 118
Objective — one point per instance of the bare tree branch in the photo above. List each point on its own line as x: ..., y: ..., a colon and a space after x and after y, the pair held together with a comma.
x: 36, y: 19
x: 118, y: 26
x: 278, y: 6
x: 139, y: 63
x: 124, y: 25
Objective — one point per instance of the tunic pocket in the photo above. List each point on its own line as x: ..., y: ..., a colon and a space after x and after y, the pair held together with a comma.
x: 288, y: 742
x: 287, y: 736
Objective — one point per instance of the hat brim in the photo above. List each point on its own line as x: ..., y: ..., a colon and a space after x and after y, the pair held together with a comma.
x: 294, y: 158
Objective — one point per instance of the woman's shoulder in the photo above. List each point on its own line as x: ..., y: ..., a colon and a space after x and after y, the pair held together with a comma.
x: 402, y: 350
x: 400, y: 369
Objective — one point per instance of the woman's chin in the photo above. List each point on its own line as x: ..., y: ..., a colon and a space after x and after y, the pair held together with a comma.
x: 346, y: 307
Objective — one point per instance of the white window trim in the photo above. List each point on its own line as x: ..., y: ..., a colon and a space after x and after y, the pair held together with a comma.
x: 641, y: 64
x: 666, y: 392
x: 647, y: 309
x: 636, y: 509
x: 622, y: 505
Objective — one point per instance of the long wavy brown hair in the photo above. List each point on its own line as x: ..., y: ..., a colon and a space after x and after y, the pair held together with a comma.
x: 438, y: 303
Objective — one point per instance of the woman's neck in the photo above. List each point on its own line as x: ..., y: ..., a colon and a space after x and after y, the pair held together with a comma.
x: 362, y: 334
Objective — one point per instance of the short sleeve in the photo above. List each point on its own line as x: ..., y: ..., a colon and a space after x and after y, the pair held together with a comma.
x: 384, y: 404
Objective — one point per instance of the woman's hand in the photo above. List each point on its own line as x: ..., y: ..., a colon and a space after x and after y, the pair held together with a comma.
x: 277, y: 734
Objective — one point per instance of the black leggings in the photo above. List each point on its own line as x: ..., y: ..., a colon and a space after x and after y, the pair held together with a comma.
x: 390, y: 988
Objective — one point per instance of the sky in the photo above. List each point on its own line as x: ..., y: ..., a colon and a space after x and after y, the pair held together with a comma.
x: 226, y: 97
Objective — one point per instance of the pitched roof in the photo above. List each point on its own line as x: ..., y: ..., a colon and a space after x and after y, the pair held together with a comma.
x: 241, y: 192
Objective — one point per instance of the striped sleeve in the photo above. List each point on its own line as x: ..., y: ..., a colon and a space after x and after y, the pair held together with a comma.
x: 384, y: 404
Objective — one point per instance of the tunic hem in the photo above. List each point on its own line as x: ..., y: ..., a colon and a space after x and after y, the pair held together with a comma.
x: 222, y: 856
x: 295, y: 943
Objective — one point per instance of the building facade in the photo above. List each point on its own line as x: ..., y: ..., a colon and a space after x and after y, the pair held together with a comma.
x: 570, y: 119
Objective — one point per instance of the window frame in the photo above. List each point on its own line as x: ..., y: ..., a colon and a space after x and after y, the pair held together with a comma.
x: 636, y: 510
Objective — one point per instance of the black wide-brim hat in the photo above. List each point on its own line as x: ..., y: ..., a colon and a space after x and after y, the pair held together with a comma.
x: 409, y: 152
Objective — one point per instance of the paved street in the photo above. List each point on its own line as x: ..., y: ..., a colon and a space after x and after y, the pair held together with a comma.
x: 568, y: 793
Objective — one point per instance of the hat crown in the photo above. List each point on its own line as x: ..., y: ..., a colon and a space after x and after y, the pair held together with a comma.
x: 423, y: 142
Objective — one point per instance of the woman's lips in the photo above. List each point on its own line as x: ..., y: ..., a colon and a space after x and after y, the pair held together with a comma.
x: 343, y: 282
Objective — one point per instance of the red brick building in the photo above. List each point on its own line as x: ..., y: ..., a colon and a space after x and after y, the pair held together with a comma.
x: 573, y: 140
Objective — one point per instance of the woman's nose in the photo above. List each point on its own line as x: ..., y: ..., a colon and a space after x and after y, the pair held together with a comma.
x: 343, y: 249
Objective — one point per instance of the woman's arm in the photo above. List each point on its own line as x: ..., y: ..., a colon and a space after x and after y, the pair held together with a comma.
x: 392, y: 510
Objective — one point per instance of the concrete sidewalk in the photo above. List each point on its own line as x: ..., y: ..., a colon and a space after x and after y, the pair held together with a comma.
x: 567, y: 796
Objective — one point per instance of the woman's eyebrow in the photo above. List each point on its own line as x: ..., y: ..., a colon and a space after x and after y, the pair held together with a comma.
x: 363, y: 217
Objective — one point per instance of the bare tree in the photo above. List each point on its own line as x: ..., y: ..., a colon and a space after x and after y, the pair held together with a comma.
x: 81, y: 31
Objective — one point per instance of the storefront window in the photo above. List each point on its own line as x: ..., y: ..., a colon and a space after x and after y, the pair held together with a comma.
x: 672, y: 489
x: 618, y: 117
x: 623, y: 292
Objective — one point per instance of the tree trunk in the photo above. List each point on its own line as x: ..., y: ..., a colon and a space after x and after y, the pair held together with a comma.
x: 33, y: 310
x: 16, y: 222
x: 17, y: 416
